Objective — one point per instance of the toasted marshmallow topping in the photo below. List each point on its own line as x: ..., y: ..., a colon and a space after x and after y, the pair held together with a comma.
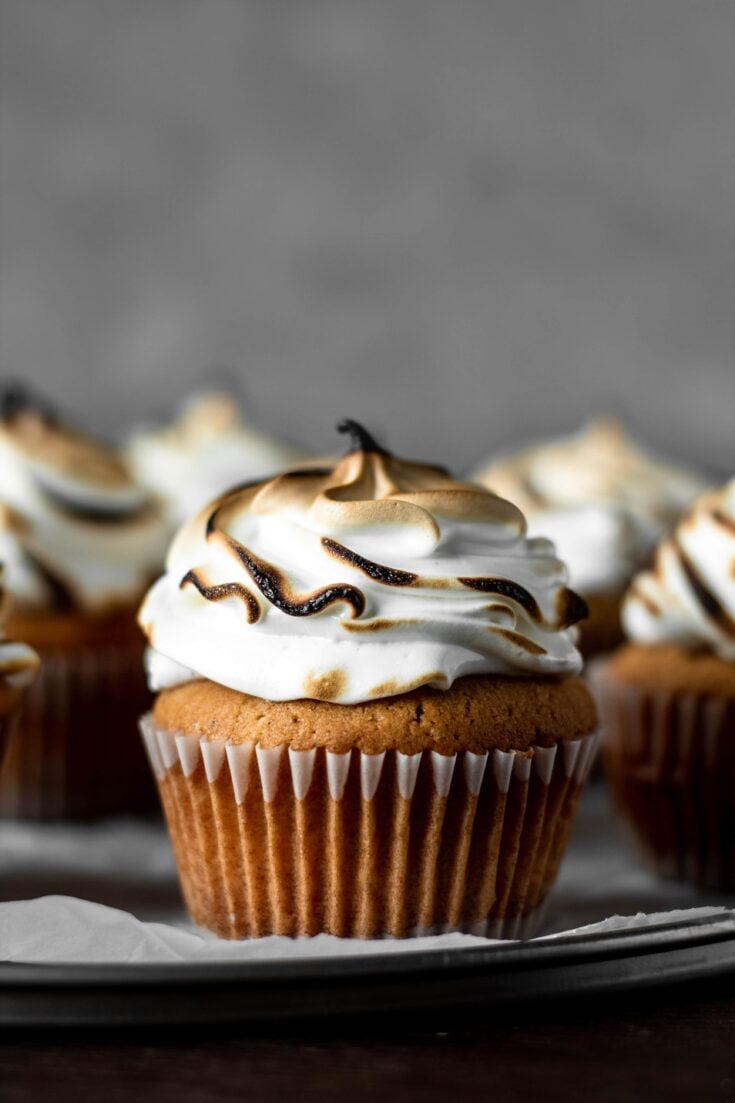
x: 688, y: 597
x: 602, y: 500
x: 207, y: 450
x: 18, y: 663
x: 361, y: 580
x: 76, y: 531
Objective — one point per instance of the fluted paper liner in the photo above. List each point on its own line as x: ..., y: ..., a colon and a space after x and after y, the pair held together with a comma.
x: 277, y: 841
x: 75, y: 750
x: 670, y: 764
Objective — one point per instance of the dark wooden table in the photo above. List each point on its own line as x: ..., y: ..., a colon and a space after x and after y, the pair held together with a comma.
x: 669, y: 1044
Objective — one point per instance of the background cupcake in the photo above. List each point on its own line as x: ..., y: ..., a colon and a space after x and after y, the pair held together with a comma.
x: 18, y: 668
x: 668, y: 700
x: 368, y: 721
x: 604, y: 502
x: 205, y: 451
x: 80, y: 540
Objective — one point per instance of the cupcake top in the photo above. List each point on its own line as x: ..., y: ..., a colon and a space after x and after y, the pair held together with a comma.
x: 603, y: 500
x: 76, y: 531
x: 363, y: 579
x: 688, y: 596
x: 204, y: 452
x: 18, y: 662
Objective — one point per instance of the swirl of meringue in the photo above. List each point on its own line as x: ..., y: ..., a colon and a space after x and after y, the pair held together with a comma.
x: 602, y: 500
x: 18, y: 662
x: 358, y: 581
x: 207, y: 449
x: 688, y: 597
x: 76, y: 531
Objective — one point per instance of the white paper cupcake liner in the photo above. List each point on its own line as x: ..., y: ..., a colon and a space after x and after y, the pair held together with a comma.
x: 670, y: 763
x: 269, y: 840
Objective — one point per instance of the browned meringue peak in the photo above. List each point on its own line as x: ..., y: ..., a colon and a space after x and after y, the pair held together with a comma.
x: 368, y: 486
x: 366, y: 489
x: 76, y: 471
x: 600, y: 463
x: 209, y: 447
x: 687, y: 596
x: 214, y: 412
x: 77, y: 530
x: 602, y: 441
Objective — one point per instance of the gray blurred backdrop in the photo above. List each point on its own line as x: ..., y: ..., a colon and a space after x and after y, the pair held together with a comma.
x: 463, y: 222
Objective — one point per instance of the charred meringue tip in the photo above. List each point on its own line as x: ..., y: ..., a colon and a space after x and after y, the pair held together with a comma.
x: 18, y: 398
x: 360, y: 439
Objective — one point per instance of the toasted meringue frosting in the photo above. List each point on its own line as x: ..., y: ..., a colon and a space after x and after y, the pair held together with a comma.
x: 602, y: 500
x: 357, y: 581
x: 76, y: 531
x: 688, y: 597
x: 18, y: 662
x: 204, y: 452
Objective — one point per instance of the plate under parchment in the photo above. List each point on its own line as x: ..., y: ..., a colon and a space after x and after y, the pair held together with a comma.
x: 250, y: 992
x: 600, y: 877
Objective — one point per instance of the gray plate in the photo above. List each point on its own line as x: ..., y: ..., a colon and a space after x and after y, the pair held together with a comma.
x: 133, y: 995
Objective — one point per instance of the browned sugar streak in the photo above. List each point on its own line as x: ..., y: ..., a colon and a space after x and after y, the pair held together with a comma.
x: 507, y: 588
x: 648, y: 603
x: 393, y: 688
x: 389, y: 576
x: 88, y: 514
x: 723, y: 520
x: 223, y: 590
x: 380, y: 624
x: 326, y: 687
x: 704, y: 595
x: 62, y: 597
x: 519, y: 640
x: 570, y: 608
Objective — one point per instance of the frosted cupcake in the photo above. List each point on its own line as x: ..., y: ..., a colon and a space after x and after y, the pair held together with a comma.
x: 205, y: 451
x: 604, y: 502
x: 18, y: 668
x: 81, y: 541
x: 368, y: 721
x: 668, y: 700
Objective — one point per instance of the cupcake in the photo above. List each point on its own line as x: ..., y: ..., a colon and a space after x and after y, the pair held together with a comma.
x: 604, y: 502
x: 81, y: 542
x: 18, y: 668
x: 368, y: 718
x: 668, y: 700
x: 204, y: 452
